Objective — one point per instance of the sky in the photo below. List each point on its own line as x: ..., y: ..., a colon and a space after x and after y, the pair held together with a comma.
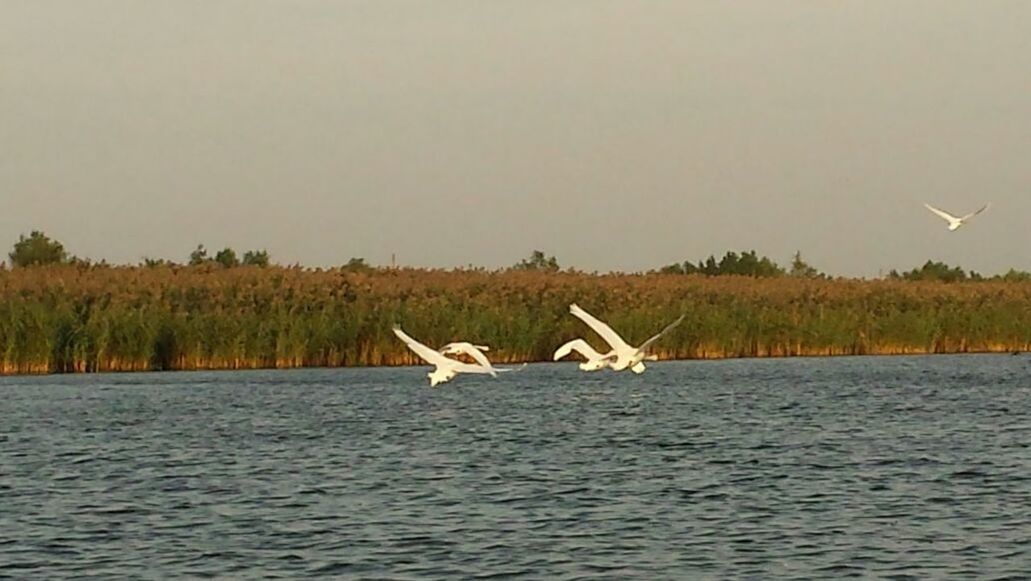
x: 615, y: 135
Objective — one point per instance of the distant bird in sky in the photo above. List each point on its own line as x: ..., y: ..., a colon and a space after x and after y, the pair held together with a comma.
x: 446, y: 368
x: 626, y: 356
x: 594, y: 360
x: 954, y: 222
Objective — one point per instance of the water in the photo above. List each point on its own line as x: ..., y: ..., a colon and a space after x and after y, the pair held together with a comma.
x: 909, y: 467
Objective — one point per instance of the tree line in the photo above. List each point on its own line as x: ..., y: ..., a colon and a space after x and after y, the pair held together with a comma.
x: 37, y: 249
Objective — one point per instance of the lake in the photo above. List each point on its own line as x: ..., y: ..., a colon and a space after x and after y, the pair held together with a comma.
x: 894, y: 467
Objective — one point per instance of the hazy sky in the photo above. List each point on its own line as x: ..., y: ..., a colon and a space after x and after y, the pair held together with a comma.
x: 614, y: 134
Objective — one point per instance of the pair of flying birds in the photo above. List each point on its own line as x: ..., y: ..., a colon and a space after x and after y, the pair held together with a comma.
x: 621, y: 356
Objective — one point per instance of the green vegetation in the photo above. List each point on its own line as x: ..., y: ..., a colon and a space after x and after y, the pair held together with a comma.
x: 802, y: 269
x: 357, y: 265
x: 258, y: 258
x: 934, y: 271
x: 37, y: 249
x: 80, y: 316
x: 939, y: 271
x: 227, y: 258
x: 747, y: 263
x: 94, y: 318
x: 199, y: 256
x: 539, y: 262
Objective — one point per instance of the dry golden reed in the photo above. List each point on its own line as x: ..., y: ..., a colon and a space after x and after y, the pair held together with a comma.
x: 84, y: 319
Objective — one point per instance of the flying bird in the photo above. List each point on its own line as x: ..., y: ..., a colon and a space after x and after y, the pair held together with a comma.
x: 446, y: 368
x: 954, y: 222
x: 626, y: 356
x: 465, y: 348
x: 594, y: 360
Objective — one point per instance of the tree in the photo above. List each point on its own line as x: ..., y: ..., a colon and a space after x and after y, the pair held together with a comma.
x: 802, y: 269
x: 1015, y: 275
x: 537, y: 261
x: 686, y: 268
x: 745, y: 264
x: 932, y: 270
x: 227, y: 258
x: 149, y: 262
x: 357, y: 265
x: 258, y: 258
x: 709, y: 268
x: 750, y: 264
x: 729, y: 264
x: 199, y: 256
x: 36, y: 250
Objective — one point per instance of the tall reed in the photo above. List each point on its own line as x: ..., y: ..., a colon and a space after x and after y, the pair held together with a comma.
x: 84, y: 319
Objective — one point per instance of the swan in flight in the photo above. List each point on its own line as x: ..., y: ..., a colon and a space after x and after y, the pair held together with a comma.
x: 954, y: 222
x: 465, y: 348
x: 625, y: 355
x: 595, y: 360
x: 476, y: 352
x: 446, y: 368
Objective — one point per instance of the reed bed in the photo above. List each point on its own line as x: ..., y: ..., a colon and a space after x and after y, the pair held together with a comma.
x: 87, y: 319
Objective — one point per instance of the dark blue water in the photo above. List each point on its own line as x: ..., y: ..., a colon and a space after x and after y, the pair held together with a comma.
x: 910, y: 467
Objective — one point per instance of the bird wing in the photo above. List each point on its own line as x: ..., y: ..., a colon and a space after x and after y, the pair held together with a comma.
x: 580, y: 346
x: 452, y: 348
x: 472, y: 368
x: 972, y: 214
x: 943, y: 214
x: 504, y: 369
x: 474, y: 351
x: 426, y: 353
x: 644, y: 346
x: 605, y: 331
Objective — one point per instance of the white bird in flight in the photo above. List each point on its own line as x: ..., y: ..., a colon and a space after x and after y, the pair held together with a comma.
x: 446, y: 368
x: 465, y: 348
x: 595, y: 360
x: 626, y: 356
x: 476, y: 352
x: 954, y: 222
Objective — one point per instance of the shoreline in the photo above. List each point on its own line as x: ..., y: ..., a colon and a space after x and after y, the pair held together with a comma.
x: 813, y: 355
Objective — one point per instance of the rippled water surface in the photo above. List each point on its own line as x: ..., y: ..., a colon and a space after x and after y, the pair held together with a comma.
x: 889, y: 467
